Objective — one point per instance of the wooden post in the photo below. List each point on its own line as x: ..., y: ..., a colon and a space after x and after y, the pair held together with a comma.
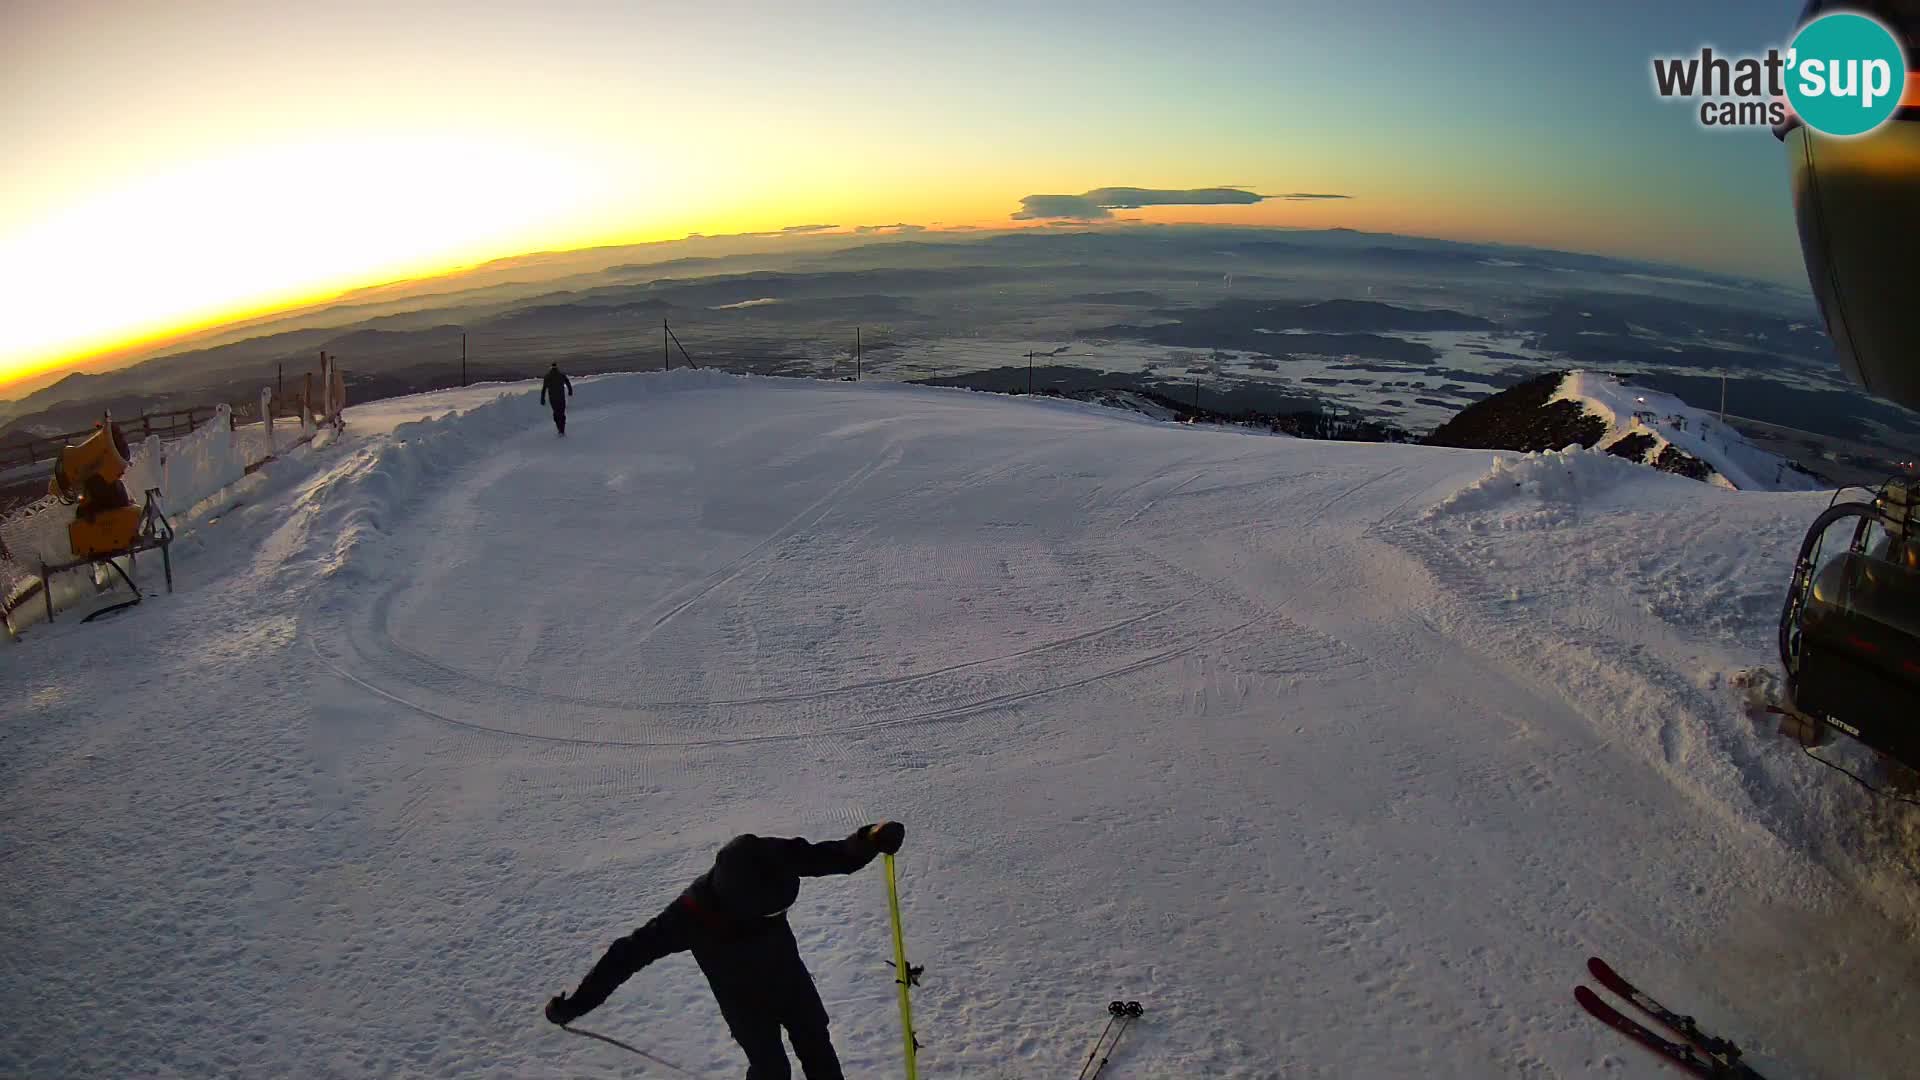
x: 666, y: 358
x: 326, y: 384
x: 1029, y: 372
x: 337, y: 392
x: 280, y: 384
x: 1723, y: 397
x: 856, y: 354
x: 463, y: 359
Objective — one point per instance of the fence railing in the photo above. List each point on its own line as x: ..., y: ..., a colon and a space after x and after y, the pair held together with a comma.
x: 170, y: 424
x: 166, y: 424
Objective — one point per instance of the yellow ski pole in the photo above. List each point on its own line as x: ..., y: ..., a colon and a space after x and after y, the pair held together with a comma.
x: 903, y: 975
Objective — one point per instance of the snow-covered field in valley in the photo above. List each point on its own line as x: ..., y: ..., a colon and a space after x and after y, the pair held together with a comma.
x: 1340, y: 758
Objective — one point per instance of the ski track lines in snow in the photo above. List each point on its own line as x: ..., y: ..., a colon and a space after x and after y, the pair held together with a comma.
x: 1572, y: 619
x: 1219, y: 722
x: 550, y: 719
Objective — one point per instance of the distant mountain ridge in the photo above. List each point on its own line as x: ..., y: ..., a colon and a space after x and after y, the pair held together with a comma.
x: 1267, y: 318
x: 1598, y: 411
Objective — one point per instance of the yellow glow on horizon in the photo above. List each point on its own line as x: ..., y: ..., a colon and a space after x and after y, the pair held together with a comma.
x: 180, y: 166
x: 222, y: 242
x: 272, y: 227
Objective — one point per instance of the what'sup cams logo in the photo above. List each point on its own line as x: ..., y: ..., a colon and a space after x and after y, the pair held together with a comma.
x: 1844, y: 74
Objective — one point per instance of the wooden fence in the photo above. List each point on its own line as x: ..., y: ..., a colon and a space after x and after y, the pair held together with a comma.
x: 171, y: 424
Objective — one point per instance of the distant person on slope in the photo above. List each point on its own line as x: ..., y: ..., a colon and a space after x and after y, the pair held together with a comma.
x: 734, y: 919
x: 550, y: 388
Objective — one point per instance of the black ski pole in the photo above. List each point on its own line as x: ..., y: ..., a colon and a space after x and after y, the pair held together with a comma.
x: 1128, y: 1013
x: 1114, y: 1011
x: 624, y: 1046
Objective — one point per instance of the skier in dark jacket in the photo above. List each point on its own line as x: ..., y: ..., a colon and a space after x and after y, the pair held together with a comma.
x: 733, y: 918
x: 550, y: 392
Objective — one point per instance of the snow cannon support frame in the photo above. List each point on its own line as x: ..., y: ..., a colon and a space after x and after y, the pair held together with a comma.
x: 155, y: 532
x: 1850, y: 628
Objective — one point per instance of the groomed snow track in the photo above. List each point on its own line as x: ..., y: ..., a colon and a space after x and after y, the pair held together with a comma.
x: 1340, y: 777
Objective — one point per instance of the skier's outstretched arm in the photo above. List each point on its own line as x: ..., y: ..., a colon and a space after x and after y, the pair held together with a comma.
x: 841, y: 856
x: 569, y: 383
x: 666, y: 933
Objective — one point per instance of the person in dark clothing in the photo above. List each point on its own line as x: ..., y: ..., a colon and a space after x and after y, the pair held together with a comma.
x: 550, y: 393
x: 733, y: 918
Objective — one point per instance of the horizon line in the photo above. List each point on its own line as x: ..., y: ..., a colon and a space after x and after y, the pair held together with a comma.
x: 154, y: 347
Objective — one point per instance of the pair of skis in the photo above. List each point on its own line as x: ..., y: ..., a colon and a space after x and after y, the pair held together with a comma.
x: 1694, y: 1052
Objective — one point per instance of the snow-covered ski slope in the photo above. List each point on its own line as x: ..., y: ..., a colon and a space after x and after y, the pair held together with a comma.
x: 1662, y: 421
x: 1340, y: 758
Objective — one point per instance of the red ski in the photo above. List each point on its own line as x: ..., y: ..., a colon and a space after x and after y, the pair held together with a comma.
x: 1680, y: 1055
x: 1700, y: 1054
x: 1682, y: 1026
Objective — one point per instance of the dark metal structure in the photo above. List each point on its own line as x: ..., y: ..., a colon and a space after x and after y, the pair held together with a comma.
x: 1850, y: 628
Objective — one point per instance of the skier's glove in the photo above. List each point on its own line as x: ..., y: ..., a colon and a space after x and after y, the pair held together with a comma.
x: 887, y: 836
x: 561, y: 1011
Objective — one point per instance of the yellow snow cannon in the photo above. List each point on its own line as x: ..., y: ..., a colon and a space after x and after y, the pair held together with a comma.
x: 88, y: 476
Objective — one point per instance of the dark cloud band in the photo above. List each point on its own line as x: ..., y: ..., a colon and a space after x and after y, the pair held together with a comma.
x: 1099, y: 204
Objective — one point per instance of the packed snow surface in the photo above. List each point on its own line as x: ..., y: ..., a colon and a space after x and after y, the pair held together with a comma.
x: 1339, y: 758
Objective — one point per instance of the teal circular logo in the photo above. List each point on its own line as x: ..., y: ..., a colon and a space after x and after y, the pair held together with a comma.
x: 1846, y: 73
